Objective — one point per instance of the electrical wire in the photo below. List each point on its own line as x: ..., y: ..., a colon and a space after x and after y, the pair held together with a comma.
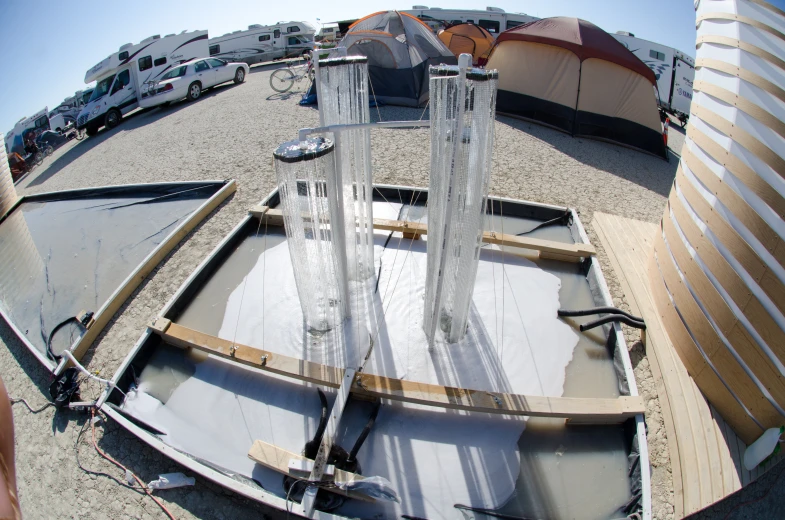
x: 15, y: 400
x: 127, y: 471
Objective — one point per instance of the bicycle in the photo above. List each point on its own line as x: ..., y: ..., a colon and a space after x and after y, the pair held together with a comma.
x: 283, y: 79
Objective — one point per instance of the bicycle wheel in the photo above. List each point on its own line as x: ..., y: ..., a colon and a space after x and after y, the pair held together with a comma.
x: 282, y: 80
x: 48, y: 151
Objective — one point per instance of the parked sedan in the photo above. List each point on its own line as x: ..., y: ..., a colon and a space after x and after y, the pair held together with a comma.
x: 188, y: 80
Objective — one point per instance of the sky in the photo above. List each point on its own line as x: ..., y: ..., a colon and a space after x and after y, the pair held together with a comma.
x: 46, y: 46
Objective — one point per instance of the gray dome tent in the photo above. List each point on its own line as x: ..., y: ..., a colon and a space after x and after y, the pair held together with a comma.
x: 400, y: 48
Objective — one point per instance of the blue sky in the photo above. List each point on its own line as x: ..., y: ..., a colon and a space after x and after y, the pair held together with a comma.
x: 47, y: 45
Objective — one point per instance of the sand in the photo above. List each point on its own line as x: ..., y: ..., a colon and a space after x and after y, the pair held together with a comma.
x: 230, y: 133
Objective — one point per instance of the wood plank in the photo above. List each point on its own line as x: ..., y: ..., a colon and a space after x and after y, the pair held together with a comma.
x: 330, y: 432
x: 584, y: 410
x: 277, y: 459
x: 274, y: 217
x: 118, y: 298
x: 731, y: 464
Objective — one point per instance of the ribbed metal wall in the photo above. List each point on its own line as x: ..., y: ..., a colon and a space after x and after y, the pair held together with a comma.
x: 718, y: 269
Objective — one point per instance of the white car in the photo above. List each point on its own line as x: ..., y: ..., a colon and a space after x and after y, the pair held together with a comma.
x: 189, y: 79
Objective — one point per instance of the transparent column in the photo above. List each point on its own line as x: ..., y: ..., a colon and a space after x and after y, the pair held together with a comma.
x: 343, y: 99
x: 308, y: 217
x: 463, y: 106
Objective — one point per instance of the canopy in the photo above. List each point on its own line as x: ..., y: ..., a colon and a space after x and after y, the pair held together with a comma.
x: 468, y: 38
x: 582, y: 38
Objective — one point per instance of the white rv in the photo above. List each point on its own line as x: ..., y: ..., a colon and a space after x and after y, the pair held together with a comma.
x: 329, y: 32
x: 493, y: 19
x: 37, y: 123
x: 264, y: 42
x: 122, y: 79
x: 66, y: 112
x: 675, y: 72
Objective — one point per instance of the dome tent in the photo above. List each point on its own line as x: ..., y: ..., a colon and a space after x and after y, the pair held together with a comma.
x: 570, y: 74
x: 400, y: 48
x: 469, y: 38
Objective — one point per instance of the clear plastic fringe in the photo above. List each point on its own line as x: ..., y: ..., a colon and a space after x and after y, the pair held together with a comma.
x: 460, y: 176
x: 344, y: 99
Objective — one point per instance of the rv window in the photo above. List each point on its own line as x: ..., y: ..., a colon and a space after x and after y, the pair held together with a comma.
x: 215, y: 49
x: 123, y: 56
x: 490, y: 26
x: 293, y: 40
x: 41, y: 122
x: 200, y: 66
x: 657, y: 55
x: 145, y: 63
x: 276, y: 34
x: 123, y: 79
x: 160, y: 61
x: 292, y: 29
x: 264, y: 38
x: 512, y: 23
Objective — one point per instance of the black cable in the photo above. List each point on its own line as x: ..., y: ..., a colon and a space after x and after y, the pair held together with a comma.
x: 379, y: 274
x: 490, y: 512
x: 60, y: 325
x: 312, y: 446
x: 15, y: 400
x: 612, y: 317
x: 598, y: 310
x: 364, y: 435
x: 561, y: 219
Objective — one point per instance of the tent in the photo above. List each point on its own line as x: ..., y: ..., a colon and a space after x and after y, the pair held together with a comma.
x: 400, y: 48
x: 469, y: 38
x: 570, y: 74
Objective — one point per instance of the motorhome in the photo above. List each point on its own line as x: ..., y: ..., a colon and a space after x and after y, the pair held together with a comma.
x: 66, y: 112
x: 123, y: 78
x: 675, y: 72
x: 493, y: 19
x: 329, y: 32
x: 264, y: 42
x: 37, y: 123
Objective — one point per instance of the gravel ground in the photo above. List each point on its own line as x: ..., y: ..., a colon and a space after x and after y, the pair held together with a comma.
x: 230, y: 133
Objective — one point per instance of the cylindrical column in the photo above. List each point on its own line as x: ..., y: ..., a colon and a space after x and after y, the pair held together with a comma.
x: 463, y: 106
x: 343, y: 97
x: 718, y: 269
x: 8, y: 194
x: 308, y: 217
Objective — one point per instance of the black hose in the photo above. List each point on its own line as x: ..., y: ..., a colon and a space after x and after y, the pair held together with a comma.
x: 598, y: 310
x: 564, y: 218
x: 59, y: 326
x: 612, y: 317
x: 364, y: 434
x: 312, y: 446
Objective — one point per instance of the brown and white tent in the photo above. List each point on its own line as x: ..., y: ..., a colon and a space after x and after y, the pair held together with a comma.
x: 570, y: 74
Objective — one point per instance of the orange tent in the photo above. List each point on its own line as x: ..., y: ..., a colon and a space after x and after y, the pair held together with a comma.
x: 468, y: 38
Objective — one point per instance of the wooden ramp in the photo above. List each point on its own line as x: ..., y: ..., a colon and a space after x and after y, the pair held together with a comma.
x: 705, y: 452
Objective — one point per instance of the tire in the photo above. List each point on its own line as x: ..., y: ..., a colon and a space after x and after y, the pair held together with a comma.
x: 91, y: 131
x: 59, y: 130
x: 194, y: 91
x: 239, y: 76
x: 113, y: 118
x: 48, y: 151
x: 282, y: 80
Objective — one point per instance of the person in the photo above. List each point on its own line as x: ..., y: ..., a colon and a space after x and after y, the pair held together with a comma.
x: 9, y: 501
x: 30, y: 146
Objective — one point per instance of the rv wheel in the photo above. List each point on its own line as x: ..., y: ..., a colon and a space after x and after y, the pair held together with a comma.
x: 91, y: 131
x: 239, y: 76
x: 113, y: 118
x: 194, y: 91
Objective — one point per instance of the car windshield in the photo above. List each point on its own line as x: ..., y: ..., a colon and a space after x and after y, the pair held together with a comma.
x: 175, y: 73
x: 102, y: 88
x: 86, y: 97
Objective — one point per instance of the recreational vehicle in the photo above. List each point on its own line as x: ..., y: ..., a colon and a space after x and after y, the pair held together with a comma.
x: 328, y: 33
x: 123, y: 78
x: 37, y: 123
x: 493, y: 19
x: 674, y: 70
x: 264, y: 42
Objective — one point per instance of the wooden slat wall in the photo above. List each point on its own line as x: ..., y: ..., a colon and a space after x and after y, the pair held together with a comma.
x: 718, y: 269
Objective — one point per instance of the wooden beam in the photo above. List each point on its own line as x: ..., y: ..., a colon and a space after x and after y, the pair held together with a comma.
x: 553, y: 249
x: 583, y: 410
x: 277, y: 459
